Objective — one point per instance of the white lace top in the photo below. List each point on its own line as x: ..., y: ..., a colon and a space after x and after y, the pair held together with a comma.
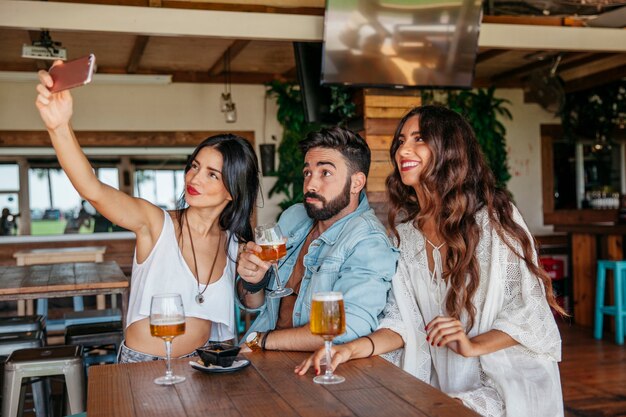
x: 522, y: 380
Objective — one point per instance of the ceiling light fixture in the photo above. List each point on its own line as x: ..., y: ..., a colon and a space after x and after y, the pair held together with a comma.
x: 227, y: 106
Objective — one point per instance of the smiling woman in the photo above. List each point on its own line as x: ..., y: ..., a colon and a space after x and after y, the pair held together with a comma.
x: 221, y: 185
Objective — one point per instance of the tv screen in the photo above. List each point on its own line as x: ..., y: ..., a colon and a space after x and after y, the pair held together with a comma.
x: 316, y: 98
x: 413, y: 43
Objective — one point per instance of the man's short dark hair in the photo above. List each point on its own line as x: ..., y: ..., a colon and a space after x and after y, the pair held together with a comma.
x: 351, y: 145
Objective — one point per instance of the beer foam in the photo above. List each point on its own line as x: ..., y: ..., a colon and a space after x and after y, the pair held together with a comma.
x: 167, y: 322
x: 328, y: 296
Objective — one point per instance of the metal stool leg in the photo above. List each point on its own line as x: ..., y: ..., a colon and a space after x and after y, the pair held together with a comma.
x: 40, y: 397
x: 619, y: 306
x: 75, y: 382
x: 600, y: 286
x: 79, y: 305
x: 11, y: 393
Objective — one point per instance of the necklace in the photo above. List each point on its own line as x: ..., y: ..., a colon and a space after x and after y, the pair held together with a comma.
x: 199, y: 296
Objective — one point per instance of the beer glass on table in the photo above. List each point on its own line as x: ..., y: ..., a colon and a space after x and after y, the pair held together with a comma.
x: 273, y: 248
x: 328, y: 319
x: 167, y: 320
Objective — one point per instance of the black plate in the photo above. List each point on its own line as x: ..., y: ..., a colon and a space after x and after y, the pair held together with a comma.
x: 239, y: 364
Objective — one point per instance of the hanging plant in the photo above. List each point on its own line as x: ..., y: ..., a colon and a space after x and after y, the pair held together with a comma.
x: 483, y: 111
x: 291, y: 117
x: 595, y: 113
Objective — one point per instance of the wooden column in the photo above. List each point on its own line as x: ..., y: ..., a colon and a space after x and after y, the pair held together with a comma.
x: 382, y: 110
x: 584, y: 265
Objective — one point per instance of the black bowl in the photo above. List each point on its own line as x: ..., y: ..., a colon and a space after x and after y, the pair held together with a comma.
x: 220, y: 354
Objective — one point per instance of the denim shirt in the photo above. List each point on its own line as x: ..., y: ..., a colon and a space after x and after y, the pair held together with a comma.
x: 353, y: 256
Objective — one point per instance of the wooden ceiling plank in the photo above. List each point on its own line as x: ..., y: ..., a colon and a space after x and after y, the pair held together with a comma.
x: 589, y: 68
x: 155, y: 3
x: 137, y: 53
x: 234, y: 49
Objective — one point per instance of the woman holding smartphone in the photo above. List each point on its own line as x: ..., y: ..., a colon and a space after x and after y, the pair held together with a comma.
x: 191, y: 250
x: 469, y: 311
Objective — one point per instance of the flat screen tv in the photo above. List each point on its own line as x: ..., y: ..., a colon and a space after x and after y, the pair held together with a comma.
x: 401, y: 43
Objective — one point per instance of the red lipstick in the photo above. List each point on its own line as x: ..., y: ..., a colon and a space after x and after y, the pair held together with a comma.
x: 192, y: 191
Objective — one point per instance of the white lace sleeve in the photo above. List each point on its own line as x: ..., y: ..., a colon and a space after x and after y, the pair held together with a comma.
x: 392, y: 320
x: 526, y: 315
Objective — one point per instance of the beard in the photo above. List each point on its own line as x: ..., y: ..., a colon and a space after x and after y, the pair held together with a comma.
x: 329, y: 208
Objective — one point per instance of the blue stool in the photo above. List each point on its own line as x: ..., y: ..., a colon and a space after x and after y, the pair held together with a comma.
x: 619, y: 309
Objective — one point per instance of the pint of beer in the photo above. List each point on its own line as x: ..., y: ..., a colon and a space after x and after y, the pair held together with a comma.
x: 328, y: 317
x: 272, y: 252
x: 167, y: 329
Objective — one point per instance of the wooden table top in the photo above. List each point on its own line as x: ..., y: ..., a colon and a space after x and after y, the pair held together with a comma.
x: 55, y: 279
x: 61, y: 251
x: 268, y: 387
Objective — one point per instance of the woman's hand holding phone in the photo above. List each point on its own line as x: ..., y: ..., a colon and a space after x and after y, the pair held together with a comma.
x: 55, y: 108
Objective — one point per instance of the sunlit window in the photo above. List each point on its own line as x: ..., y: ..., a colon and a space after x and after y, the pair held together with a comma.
x: 162, y: 187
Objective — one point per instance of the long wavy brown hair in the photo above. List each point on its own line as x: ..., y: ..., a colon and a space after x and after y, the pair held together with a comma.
x: 457, y: 184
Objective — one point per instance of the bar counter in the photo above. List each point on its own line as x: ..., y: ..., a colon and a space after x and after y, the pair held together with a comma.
x: 589, y: 243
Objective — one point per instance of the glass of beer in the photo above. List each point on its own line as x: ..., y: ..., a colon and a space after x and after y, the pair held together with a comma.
x: 167, y: 320
x: 328, y: 319
x: 273, y: 248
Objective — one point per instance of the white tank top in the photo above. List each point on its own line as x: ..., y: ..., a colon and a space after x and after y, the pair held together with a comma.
x: 165, y: 271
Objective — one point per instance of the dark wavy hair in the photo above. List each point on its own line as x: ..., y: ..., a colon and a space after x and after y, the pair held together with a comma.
x: 351, y: 145
x: 240, y: 173
x: 457, y: 184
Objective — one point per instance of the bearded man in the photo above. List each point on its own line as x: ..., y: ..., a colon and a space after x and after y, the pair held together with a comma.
x: 334, y: 243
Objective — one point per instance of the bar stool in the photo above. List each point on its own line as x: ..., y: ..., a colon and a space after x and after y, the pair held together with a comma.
x: 92, y: 316
x: 22, y: 324
x: 10, y: 342
x: 619, y: 308
x: 96, y: 337
x: 38, y: 362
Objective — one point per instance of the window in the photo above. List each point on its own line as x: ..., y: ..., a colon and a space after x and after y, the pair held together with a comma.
x: 162, y: 187
x: 9, y: 202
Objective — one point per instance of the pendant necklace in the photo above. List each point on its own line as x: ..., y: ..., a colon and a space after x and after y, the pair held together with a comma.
x: 200, y: 296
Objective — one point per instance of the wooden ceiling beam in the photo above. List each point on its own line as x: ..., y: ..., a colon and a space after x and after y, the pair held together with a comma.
x: 524, y: 70
x: 599, y: 78
x: 233, y: 51
x: 291, y: 74
x: 235, y: 77
x: 139, y: 47
x: 490, y: 54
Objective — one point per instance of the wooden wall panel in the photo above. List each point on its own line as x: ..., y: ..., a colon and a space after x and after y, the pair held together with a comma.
x: 382, y: 111
x: 116, y: 139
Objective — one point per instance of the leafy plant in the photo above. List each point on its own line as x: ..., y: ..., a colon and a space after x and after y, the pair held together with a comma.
x: 482, y: 110
x: 291, y: 116
x: 595, y: 113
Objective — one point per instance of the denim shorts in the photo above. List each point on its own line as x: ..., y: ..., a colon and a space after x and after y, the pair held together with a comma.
x: 128, y: 355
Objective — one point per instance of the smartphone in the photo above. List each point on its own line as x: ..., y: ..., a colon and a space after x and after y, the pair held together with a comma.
x: 72, y: 73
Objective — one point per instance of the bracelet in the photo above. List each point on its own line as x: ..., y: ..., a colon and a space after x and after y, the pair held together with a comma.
x: 265, y: 339
x: 373, y: 346
x: 254, y: 288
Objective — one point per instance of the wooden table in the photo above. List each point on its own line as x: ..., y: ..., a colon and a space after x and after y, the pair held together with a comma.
x: 63, y: 280
x: 58, y: 256
x: 268, y: 387
x: 588, y: 243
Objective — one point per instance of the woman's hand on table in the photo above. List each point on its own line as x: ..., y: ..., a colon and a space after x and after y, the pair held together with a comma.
x: 339, y: 354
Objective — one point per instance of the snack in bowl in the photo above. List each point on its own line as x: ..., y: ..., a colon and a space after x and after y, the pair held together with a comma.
x: 218, y: 354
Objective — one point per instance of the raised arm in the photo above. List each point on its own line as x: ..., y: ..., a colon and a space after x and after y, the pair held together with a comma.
x: 134, y: 214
